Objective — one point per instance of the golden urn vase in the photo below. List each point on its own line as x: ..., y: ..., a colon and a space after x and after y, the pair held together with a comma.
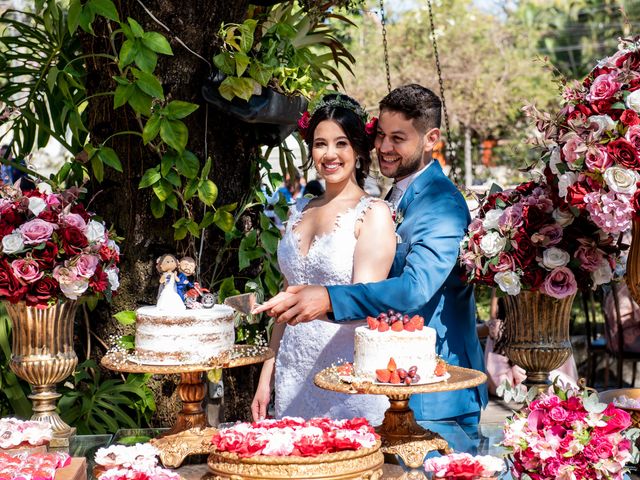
x: 537, y: 334
x: 633, y: 263
x: 42, y: 354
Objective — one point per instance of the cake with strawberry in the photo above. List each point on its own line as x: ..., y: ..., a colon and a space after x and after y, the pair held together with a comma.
x: 396, y: 348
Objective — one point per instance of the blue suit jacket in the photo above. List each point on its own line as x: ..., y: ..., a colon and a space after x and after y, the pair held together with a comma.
x: 425, y: 280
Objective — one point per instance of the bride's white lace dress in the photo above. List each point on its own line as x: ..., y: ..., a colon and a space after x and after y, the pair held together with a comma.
x: 308, y: 348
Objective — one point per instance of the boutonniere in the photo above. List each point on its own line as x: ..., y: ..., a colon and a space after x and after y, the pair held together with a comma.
x: 396, y: 215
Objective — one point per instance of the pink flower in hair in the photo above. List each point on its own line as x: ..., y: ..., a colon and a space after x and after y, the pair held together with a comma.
x: 371, y: 127
x: 303, y: 123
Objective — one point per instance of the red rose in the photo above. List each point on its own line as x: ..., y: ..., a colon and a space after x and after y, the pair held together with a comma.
x: 635, y: 203
x: 10, y: 287
x: 632, y: 59
x: 303, y: 124
x: 578, y: 111
x: 73, y: 240
x: 533, y: 278
x: 629, y: 117
x: 42, y: 291
x: 624, y: 153
x: 46, y: 257
x: 48, y: 216
x: 107, y: 254
x: 12, y: 217
x: 534, y: 217
x: 634, y: 85
x: 576, y: 193
x: 5, y: 229
x: 524, y: 251
x: 603, y: 107
x: 99, y: 282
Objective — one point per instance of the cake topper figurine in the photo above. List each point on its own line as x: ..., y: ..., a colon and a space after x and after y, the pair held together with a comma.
x: 186, y: 269
x: 168, y: 298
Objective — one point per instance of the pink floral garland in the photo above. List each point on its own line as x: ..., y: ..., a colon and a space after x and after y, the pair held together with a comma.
x: 39, y: 466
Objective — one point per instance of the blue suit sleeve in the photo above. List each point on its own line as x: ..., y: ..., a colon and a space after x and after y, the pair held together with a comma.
x: 436, y: 231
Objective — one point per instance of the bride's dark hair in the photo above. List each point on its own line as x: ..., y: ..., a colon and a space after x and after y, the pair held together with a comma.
x: 347, y: 113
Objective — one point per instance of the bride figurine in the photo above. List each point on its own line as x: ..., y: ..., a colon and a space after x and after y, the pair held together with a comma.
x: 168, y: 298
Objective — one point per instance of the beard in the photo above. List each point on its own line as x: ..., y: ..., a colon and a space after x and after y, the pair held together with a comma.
x: 407, y: 165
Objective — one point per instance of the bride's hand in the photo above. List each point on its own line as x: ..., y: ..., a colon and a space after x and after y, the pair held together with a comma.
x: 260, y: 402
x: 277, y: 300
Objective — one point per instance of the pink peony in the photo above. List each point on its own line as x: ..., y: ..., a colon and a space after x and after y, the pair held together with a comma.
x: 560, y: 283
x: 36, y: 231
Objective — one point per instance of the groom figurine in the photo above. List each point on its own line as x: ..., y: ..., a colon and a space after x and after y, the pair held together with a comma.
x: 432, y: 217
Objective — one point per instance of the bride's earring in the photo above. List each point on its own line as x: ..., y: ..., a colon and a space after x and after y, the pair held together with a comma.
x: 358, y: 163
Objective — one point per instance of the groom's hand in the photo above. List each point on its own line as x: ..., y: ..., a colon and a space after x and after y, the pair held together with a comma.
x: 305, y: 304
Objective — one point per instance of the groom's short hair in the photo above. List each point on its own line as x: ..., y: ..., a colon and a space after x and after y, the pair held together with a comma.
x: 418, y: 103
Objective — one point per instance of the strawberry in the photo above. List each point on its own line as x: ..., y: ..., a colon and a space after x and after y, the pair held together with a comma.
x: 383, y: 375
x: 345, y: 369
x: 383, y: 327
x: 415, y: 320
x: 397, y: 326
x: 420, y: 323
x: 373, y: 323
x: 441, y: 368
x: 409, y: 327
x: 391, y: 366
x: 394, y: 378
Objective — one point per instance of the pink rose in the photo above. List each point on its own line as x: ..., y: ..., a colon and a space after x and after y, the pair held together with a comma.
x: 511, y: 218
x: 53, y: 200
x: 573, y: 149
x: 558, y: 414
x: 86, y: 265
x: 633, y: 136
x: 604, y: 87
x: 597, y: 158
x: 36, y: 231
x: 589, y: 257
x: 505, y: 263
x: 604, y: 449
x: 560, y: 283
x: 75, y: 220
x: 548, y: 236
x: 26, y: 271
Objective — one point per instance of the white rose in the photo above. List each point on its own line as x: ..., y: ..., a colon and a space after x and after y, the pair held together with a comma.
x: 112, y: 276
x: 555, y: 257
x: 554, y: 160
x: 563, y: 218
x: 633, y: 101
x: 37, y: 205
x: 603, y: 274
x: 12, y: 243
x: 621, y: 180
x: 604, y: 123
x: 45, y: 188
x: 95, y: 232
x: 74, y: 288
x: 492, y: 244
x: 508, y: 281
x: 491, y: 219
x: 565, y: 181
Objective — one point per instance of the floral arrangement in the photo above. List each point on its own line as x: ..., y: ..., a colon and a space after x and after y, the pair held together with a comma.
x: 140, y: 473
x: 36, y: 466
x: 526, y: 238
x: 16, y: 433
x: 53, y: 248
x: 592, y: 146
x: 292, y: 436
x: 464, y: 465
x: 140, y: 455
x: 567, y: 433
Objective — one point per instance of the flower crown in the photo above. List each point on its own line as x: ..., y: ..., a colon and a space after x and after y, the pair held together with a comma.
x: 339, y: 101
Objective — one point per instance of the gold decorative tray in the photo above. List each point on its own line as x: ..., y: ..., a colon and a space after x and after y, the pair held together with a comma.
x: 363, y: 464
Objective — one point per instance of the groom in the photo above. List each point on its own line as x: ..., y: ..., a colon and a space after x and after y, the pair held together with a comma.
x: 425, y: 277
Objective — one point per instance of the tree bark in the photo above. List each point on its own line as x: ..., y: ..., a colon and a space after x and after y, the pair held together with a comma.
x: 228, y: 142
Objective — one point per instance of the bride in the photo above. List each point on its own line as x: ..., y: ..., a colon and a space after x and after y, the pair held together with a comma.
x: 341, y: 237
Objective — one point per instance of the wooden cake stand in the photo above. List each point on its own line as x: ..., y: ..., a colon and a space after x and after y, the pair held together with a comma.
x: 192, y: 387
x: 401, y: 434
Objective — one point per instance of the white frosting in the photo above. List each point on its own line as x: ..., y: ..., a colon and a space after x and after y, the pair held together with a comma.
x: 192, y: 336
x: 373, y: 349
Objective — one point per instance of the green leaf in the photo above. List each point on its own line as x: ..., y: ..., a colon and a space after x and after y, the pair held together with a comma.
x: 180, y: 233
x: 146, y: 59
x: 98, y: 168
x: 52, y: 78
x: 157, y: 207
x: 126, y: 317
x: 136, y: 29
x: 269, y: 241
x: 237, y: 87
x: 157, y: 42
x: 174, y: 133
x: 150, y: 177
x: 193, y: 228
x: 148, y: 83
x: 151, y: 128
x: 207, y: 192
x: 223, y: 220
x: 248, y: 250
x: 167, y: 162
x: 618, y: 106
x: 122, y: 95
x: 128, y: 52
x: 206, y: 169
x: 224, y: 62
x: 242, y: 61
x: 106, y: 8
x: 110, y: 157
x: 227, y: 289
x: 85, y: 19
x: 173, y: 178
x: 207, y: 220
x: 178, y: 109
x: 73, y: 15
x: 191, y: 189
x: 247, y: 29
x: 140, y: 101
x: 260, y: 73
x: 188, y: 164
x: 172, y: 201
x: 162, y: 189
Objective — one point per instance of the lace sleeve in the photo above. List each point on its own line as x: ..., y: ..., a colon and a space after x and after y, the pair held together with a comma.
x: 366, y: 204
x: 295, y: 212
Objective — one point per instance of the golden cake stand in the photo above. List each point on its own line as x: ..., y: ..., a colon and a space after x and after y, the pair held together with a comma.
x: 192, y: 387
x: 401, y: 434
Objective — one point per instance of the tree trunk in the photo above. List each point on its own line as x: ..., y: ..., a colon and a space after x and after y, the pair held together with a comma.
x: 468, y: 163
x: 228, y: 142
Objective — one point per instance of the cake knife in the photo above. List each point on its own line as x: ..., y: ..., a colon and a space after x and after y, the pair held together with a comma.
x: 243, y: 303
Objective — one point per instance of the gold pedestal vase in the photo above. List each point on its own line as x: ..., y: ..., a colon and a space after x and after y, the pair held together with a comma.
x: 633, y: 263
x: 43, y: 355
x: 537, y: 334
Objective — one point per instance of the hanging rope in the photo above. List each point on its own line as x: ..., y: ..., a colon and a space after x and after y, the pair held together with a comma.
x: 384, y: 44
x: 444, y: 104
